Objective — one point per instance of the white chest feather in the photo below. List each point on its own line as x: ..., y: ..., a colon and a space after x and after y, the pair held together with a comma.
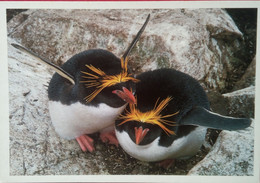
x: 181, y: 148
x: 77, y: 119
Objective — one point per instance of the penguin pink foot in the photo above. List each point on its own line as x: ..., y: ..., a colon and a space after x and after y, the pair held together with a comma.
x: 109, y: 137
x: 166, y: 164
x: 85, y: 143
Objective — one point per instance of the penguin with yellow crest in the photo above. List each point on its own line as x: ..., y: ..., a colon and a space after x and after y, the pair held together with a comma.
x: 88, y: 92
x: 170, y: 118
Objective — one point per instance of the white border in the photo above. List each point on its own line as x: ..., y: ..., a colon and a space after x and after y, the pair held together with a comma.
x: 130, y: 4
x: 4, y: 108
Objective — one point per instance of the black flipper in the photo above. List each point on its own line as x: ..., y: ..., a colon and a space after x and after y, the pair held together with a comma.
x: 200, y: 116
x: 58, y: 69
x: 137, y: 37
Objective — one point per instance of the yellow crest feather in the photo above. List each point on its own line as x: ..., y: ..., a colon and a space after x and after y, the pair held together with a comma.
x: 100, y: 80
x: 152, y: 117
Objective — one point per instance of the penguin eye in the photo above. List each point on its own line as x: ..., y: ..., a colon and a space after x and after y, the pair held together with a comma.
x: 153, y: 117
x: 100, y: 80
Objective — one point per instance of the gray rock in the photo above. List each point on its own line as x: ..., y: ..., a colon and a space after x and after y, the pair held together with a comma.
x: 231, y: 155
x: 241, y: 103
x: 218, y: 103
x: 199, y: 42
x: 248, y: 79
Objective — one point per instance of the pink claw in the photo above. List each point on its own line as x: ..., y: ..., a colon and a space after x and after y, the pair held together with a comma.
x: 109, y: 137
x: 85, y: 143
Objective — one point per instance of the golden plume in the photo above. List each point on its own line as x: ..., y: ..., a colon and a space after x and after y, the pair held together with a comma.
x: 153, y: 117
x: 100, y: 80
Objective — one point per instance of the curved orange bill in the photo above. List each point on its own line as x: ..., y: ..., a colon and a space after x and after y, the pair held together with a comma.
x: 140, y: 134
x: 125, y: 95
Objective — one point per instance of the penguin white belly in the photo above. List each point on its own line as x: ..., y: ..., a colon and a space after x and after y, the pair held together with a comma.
x: 183, y: 147
x: 71, y: 121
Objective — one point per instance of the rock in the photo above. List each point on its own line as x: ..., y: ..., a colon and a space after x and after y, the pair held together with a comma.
x: 246, y: 21
x: 188, y: 40
x: 248, y: 79
x: 10, y: 13
x: 231, y: 155
x: 218, y: 103
x: 241, y: 103
x: 199, y: 42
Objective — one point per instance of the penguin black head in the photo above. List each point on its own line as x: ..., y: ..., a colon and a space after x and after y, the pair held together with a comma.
x: 144, y: 124
x: 100, y: 76
x: 110, y: 79
x: 93, y: 76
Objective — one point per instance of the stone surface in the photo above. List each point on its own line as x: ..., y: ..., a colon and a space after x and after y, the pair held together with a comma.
x: 199, y: 42
x: 241, y: 103
x: 231, y: 155
x: 248, y: 79
x: 188, y: 40
x: 218, y: 103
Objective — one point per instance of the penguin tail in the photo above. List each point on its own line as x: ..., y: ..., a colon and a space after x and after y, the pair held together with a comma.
x: 58, y: 69
x: 200, y: 116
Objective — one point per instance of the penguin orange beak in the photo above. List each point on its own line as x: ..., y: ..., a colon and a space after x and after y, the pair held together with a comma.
x: 125, y: 95
x: 140, y: 134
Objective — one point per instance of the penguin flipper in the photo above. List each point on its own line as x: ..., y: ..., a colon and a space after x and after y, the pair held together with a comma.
x: 137, y: 37
x: 58, y: 69
x: 200, y: 116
